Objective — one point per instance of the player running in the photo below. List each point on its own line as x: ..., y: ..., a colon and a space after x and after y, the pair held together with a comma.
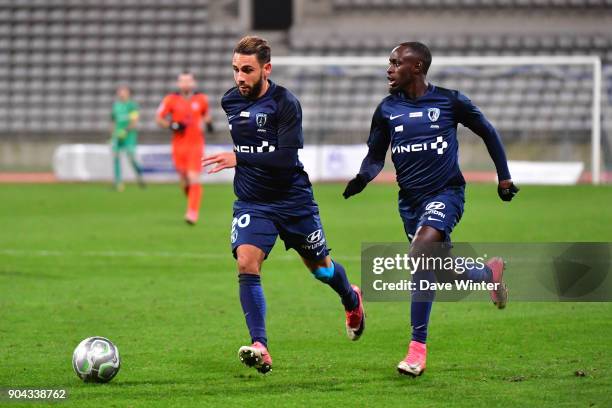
x: 124, y: 135
x: 183, y: 112
x: 274, y: 193
x: 419, y: 120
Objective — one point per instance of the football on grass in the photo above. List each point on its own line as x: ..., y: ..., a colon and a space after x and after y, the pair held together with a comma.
x: 96, y: 359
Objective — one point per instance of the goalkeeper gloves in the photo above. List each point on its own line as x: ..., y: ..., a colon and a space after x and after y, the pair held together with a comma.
x: 507, y: 193
x: 177, y: 126
x: 355, y: 186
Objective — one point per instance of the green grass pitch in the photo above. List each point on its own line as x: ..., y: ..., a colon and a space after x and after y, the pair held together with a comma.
x: 79, y: 260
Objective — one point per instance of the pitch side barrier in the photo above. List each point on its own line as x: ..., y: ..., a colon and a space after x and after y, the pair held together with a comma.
x: 93, y: 162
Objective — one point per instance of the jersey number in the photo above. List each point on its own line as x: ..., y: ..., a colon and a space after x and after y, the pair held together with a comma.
x: 242, y: 222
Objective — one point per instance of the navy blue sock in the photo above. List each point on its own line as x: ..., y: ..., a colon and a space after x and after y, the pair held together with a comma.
x: 254, y: 306
x: 476, y: 274
x: 420, y: 307
x: 335, y: 276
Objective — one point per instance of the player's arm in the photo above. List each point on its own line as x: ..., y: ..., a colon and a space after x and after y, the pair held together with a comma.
x: 373, y: 163
x: 207, y: 116
x: 208, y: 122
x: 134, y: 118
x: 162, y: 113
x: 470, y: 116
x: 112, y: 125
x: 116, y: 133
x: 283, y: 158
x: 161, y: 117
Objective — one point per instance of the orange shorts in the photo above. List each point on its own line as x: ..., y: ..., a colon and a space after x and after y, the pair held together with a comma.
x: 187, y: 157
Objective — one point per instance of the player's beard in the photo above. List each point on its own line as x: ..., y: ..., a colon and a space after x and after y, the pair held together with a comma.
x: 254, y: 90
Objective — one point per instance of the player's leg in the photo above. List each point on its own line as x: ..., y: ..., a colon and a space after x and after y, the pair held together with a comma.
x: 491, y: 272
x: 184, y: 185
x: 118, y: 182
x: 420, y: 304
x: 117, y: 177
x: 194, y: 196
x: 131, y: 154
x: 249, y: 259
x: 422, y: 300
x: 443, y: 212
x: 194, y: 188
x: 179, y: 158
x: 333, y: 274
x: 427, y: 226
x: 253, y: 237
x: 421, y: 238
x: 305, y: 234
x: 499, y: 296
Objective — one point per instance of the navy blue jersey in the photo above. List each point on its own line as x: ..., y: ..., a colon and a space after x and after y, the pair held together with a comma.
x: 267, y: 133
x: 422, y: 134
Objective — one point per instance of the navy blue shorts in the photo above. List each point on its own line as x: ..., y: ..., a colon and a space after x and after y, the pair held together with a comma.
x: 441, y: 211
x: 259, y: 227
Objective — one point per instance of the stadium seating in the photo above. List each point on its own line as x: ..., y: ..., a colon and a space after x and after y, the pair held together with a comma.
x: 64, y: 59
x: 560, y: 44
x: 545, y: 100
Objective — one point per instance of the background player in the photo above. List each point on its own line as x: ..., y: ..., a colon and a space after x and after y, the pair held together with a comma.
x: 419, y: 121
x: 124, y: 136
x: 274, y: 194
x: 183, y: 112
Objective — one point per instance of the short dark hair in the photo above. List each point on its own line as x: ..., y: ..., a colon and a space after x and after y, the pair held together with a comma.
x: 252, y: 45
x: 422, y: 51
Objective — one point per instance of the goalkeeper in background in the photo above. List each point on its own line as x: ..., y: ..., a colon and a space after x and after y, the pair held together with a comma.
x: 183, y: 113
x: 124, y: 135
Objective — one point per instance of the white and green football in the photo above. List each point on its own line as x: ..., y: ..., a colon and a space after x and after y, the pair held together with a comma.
x: 96, y: 359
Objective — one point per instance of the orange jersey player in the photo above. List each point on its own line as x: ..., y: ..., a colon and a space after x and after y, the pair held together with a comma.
x: 183, y: 113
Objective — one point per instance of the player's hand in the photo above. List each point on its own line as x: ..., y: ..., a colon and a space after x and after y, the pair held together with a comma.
x: 507, y: 190
x: 223, y: 160
x: 355, y: 186
x: 121, y: 134
x: 210, y: 128
x: 177, y: 126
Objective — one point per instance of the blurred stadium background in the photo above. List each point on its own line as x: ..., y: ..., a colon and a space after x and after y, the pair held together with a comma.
x: 62, y: 60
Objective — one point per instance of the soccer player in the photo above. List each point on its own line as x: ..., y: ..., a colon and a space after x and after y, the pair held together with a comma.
x: 274, y: 193
x: 183, y: 112
x: 124, y: 135
x: 419, y: 120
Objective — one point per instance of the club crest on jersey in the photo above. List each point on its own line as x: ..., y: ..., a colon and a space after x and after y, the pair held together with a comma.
x: 261, y: 119
x: 433, y: 114
x: 195, y: 106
